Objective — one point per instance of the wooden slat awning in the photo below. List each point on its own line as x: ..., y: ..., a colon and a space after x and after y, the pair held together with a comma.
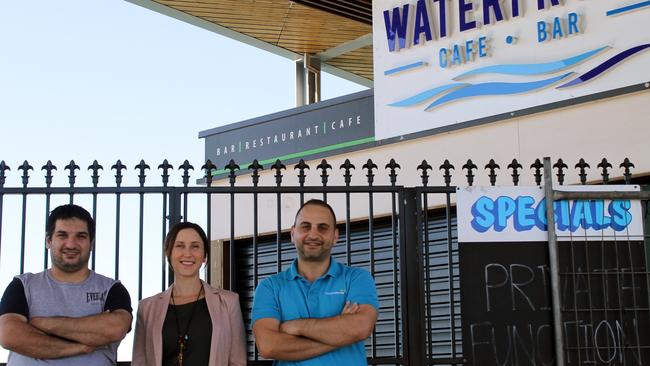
x: 335, y: 30
x: 359, y: 10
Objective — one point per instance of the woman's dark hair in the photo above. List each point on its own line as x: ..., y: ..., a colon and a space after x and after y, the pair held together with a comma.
x: 173, y: 232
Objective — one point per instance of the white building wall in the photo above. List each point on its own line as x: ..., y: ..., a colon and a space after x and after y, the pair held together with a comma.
x: 613, y: 128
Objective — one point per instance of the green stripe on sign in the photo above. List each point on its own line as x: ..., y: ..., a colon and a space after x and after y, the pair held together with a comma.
x: 304, y: 153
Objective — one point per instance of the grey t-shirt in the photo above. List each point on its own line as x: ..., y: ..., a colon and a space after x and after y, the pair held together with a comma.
x: 47, y: 297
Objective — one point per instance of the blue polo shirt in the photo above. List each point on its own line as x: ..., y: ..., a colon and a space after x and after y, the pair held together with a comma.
x: 288, y: 296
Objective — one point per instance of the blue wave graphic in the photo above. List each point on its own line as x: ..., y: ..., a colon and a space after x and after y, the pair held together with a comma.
x: 608, y: 64
x: 495, y: 88
x: 532, y: 69
x: 421, y: 97
x: 625, y: 9
x: 399, y: 69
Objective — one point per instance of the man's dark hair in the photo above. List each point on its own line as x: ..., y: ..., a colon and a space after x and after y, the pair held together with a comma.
x: 69, y: 211
x: 316, y: 202
x: 173, y: 233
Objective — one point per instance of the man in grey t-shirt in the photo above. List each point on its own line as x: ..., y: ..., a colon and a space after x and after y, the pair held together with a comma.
x: 68, y: 314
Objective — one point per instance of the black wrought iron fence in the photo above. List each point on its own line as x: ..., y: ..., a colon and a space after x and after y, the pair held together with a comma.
x: 406, y: 237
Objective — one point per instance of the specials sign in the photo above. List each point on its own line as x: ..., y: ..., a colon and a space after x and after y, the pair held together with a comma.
x: 509, y: 214
x: 442, y: 62
x: 505, y: 283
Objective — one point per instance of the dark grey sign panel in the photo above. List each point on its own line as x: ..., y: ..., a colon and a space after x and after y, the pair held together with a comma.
x: 313, y: 131
x: 506, y: 303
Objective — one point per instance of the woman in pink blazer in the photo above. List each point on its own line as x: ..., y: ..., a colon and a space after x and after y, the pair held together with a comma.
x: 191, y: 323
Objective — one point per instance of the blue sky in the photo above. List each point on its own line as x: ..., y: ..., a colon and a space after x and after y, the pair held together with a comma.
x: 108, y: 80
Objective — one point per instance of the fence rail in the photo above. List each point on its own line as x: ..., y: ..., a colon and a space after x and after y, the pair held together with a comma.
x: 600, y: 173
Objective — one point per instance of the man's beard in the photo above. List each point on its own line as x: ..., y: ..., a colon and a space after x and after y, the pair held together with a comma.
x: 68, y: 267
x: 315, y: 257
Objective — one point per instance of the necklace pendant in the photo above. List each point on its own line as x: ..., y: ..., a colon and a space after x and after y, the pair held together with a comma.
x: 181, y: 350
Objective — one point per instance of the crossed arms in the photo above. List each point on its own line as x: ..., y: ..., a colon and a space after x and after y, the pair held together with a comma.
x: 57, y: 337
x: 300, y: 339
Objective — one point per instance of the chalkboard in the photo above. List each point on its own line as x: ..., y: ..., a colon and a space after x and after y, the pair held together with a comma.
x: 505, y: 304
x: 506, y: 312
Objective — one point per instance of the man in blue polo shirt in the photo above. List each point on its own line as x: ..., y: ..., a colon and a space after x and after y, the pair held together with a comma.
x: 318, y: 312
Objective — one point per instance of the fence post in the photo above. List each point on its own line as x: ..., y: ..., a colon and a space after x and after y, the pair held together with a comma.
x: 553, y: 263
x: 645, y: 214
x: 412, y: 278
x: 174, y: 218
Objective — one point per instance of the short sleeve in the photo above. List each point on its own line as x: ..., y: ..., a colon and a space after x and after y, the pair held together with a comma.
x: 362, y: 289
x: 265, y: 303
x: 118, y: 298
x: 14, y: 300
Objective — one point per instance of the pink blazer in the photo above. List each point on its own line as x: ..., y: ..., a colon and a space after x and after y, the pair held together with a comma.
x: 228, y: 345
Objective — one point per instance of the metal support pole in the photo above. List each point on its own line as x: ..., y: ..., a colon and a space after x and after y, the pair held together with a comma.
x: 553, y: 263
x: 174, y: 218
x: 308, y: 80
x: 645, y: 210
x: 300, y: 82
x: 412, y: 279
x: 312, y: 64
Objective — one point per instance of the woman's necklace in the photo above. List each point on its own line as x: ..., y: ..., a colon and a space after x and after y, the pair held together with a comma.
x: 184, y: 338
